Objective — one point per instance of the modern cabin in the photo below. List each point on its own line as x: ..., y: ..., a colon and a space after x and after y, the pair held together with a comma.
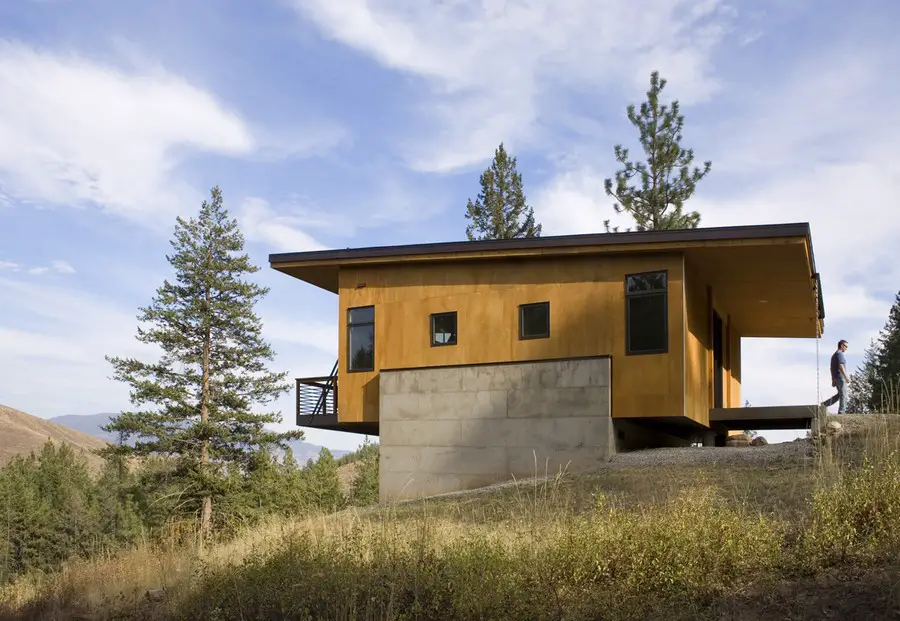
x: 476, y: 362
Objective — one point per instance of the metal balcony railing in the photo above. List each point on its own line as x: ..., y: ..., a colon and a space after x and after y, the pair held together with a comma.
x: 317, y: 396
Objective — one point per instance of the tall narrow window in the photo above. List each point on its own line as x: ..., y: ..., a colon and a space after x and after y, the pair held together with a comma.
x: 534, y: 320
x: 646, y: 313
x: 443, y: 329
x: 361, y: 339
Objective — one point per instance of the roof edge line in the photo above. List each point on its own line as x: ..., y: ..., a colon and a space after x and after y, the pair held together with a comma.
x: 727, y: 233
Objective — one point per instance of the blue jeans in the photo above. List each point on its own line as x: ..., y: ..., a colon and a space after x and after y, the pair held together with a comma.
x: 841, y: 384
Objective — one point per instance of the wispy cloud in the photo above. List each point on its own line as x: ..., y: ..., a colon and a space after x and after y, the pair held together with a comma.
x: 490, y: 66
x: 60, y: 267
x: 74, y: 130
x: 63, y: 267
x: 260, y: 223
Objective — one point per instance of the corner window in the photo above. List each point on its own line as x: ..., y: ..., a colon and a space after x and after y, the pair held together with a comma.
x: 361, y: 339
x: 443, y: 329
x: 534, y: 320
x: 647, y: 313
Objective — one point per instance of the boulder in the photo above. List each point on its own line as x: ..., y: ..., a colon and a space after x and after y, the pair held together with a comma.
x: 759, y: 441
x: 156, y: 595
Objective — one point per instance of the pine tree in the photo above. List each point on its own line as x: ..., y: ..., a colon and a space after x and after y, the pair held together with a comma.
x: 862, y: 382
x: 212, y: 370
x: 875, y: 385
x: 364, y: 490
x: 886, y: 387
x: 500, y: 211
x: 324, y: 484
x: 666, y: 180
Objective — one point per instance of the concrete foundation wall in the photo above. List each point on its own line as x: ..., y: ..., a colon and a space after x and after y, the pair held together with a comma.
x: 457, y: 428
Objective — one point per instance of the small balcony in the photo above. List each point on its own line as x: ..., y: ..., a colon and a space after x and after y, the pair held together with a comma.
x: 317, y: 405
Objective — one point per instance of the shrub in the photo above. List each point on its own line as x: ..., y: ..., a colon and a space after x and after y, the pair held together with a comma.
x: 856, y: 518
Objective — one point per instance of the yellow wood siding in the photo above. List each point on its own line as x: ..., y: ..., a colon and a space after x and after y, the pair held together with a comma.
x: 700, y: 300
x: 698, y: 347
x: 587, y: 317
x: 767, y: 282
x: 734, y: 372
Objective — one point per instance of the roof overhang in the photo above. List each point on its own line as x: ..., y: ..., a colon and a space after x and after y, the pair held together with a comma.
x: 712, y: 250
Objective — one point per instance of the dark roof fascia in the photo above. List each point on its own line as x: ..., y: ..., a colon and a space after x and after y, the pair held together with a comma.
x: 798, y: 229
x: 816, y: 276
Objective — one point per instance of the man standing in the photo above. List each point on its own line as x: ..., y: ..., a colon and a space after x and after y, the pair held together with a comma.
x: 839, y: 378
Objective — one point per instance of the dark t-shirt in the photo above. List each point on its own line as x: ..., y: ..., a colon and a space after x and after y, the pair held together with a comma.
x: 837, y: 359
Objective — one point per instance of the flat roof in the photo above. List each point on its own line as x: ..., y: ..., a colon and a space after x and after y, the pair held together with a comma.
x: 723, y: 233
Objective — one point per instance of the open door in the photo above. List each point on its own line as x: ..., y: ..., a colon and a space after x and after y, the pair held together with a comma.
x: 718, y: 360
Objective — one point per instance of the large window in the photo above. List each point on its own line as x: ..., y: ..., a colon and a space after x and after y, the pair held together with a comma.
x: 646, y: 313
x: 534, y: 320
x: 443, y: 329
x: 361, y: 339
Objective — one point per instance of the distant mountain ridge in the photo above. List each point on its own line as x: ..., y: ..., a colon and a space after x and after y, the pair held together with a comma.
x: 21, y: 433
x: 92, y: 424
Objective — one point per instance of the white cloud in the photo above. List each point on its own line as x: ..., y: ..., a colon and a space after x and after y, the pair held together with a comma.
x: 260, y: 223
x: 74, y: 131
x: 492, y: 65
x: 320, y: 335
x: 60, y: 267
x: 53, y: 340
x: 63, y: 267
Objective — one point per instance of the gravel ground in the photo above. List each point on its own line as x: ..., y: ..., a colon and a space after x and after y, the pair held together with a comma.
x: 782, y: 453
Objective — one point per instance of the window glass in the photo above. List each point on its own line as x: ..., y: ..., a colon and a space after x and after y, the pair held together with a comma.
x: 653, y: 281
x: 443, y: 329
x: 534, y: 320
x: 647, y: 329
x: 361, y: 339
x: 646, y: 308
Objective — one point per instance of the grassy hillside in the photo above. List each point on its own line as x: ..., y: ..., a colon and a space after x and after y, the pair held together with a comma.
x: 21, y: 433
x: 802, y: 531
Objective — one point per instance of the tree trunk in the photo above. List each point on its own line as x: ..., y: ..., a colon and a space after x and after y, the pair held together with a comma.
x: 206, y: 515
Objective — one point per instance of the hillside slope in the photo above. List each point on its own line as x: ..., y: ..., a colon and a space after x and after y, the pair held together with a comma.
x: 92, y: 424
x: 21, y: 433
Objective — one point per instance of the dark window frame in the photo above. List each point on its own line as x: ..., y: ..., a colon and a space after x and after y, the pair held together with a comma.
x: 350, y: 325
x: 522, y: 309
x: 664, y: 294
x: 455, y: 328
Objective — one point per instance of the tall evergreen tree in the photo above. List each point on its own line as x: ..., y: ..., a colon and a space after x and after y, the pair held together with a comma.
x: 862, y: 381
x: 666, y: 180
x: 500, y: 211
x: 212, y: 371
x: 876, y: 383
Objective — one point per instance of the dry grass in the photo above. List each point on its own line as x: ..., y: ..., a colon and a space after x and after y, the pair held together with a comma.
x: 695, y: 541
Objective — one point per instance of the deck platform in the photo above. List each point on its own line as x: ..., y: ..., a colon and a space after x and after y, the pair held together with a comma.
x: 330, y: 422
x: 770, y: 417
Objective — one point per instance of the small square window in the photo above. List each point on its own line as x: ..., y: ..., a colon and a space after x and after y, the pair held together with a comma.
x: 534, y: 320
x: 443, y: 329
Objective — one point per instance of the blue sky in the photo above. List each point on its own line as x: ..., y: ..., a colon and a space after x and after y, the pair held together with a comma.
x: 365, y: 122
